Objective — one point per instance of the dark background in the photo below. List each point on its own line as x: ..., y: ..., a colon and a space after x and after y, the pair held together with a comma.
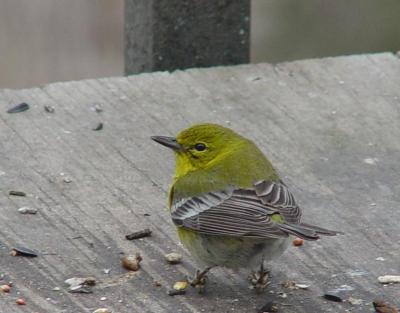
x: 45, y: 40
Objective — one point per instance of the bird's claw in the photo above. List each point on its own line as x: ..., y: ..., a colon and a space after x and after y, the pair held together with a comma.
x: 199, y: 280
x: 259, y: 279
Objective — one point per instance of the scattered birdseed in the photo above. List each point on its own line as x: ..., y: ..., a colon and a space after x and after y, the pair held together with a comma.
x: 27, y: 210
x: 67, y: 180
x: 302, y: 286
x: 293, y: 285
x: 131, y: 262
x: 102, y: 310
x: 20, y: 301
x: 139, y: 234
x: 389, y: 279
x: 289, y: 284
x: 99, y: 126
x: 297, y: 242
x: 384, y: 307
x: 370, y: 161
x: 5, y: 288
x: 22, y: 251
x: 87, y: 281
x: 49, y: 109
x: 19, y: 108
x: 180, y: 285
x: 333, y: 298
x: 80, y: 284
x: 17, y: 193
x: 173, y: 258
x: 97, y: 108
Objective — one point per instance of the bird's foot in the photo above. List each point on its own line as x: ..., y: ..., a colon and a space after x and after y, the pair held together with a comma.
x: 259, y: 279
x: 200, y: 279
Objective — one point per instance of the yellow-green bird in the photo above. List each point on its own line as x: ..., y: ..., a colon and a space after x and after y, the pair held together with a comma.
x: 228, y: 203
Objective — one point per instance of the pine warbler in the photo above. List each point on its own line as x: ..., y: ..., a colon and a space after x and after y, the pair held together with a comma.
x: 228, y: 203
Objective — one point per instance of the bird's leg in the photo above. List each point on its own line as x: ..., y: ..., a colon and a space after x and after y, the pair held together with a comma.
x: 200, y: 279
x: 259, y: 279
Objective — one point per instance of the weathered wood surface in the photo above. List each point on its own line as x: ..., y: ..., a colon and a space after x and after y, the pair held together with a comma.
x: 331, y: 126
x: 165, y: 35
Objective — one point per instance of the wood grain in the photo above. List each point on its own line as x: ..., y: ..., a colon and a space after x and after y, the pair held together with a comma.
x: 331, y: 126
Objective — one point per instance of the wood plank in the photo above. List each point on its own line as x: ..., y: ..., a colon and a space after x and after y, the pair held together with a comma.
x: 330, y: 126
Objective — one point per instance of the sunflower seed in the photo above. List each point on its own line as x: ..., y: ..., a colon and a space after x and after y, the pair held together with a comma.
x: 19, y: 108
x: 333, y: 298
x: 99, y: 126
x: 139, y: 234
x: 17, y: 193
x: 22, y: 251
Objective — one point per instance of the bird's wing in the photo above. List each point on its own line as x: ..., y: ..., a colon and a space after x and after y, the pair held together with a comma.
x: 245, y: 213
x: 277, y: 195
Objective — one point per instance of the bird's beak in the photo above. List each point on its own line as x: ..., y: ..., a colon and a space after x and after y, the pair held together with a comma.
x: 169, y: 142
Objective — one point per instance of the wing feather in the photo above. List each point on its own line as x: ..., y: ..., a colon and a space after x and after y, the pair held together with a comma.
x: 245, y: 213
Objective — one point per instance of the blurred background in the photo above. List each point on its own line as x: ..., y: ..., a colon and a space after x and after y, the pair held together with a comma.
x: 43, y: 41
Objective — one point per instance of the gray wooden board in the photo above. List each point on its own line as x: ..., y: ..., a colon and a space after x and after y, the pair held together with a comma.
x: 331, y: 126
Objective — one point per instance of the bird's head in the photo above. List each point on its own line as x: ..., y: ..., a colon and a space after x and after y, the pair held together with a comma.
x: 199, y: 146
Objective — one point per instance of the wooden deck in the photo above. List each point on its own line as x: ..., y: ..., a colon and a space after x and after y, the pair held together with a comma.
x: 331, y: 126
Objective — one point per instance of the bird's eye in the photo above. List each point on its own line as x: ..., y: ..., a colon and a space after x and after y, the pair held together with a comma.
x: 200, y: 146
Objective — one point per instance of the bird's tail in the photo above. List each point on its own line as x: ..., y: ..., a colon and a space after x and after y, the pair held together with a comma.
x: 307, y: 231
